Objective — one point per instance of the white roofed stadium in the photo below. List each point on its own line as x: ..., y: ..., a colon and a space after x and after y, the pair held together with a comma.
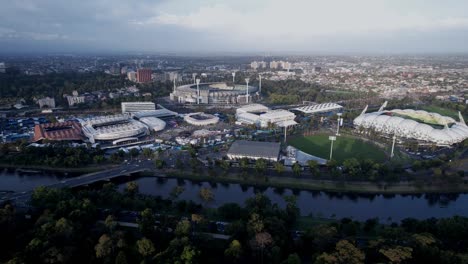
x: 110, y: 128
x: 414, y: 124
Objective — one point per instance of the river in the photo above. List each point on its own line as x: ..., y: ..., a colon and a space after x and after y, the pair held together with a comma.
x: 387, y: 208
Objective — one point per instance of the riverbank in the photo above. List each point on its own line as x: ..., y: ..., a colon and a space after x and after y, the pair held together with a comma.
x: 303, y: 183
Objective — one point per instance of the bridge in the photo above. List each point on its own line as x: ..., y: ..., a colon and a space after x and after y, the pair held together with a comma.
x: 86, y: 179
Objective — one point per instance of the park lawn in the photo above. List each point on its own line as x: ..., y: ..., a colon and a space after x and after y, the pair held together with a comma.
x: 343, y: 148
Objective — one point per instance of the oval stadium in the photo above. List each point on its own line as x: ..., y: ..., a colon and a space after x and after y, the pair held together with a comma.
x: 414, y: 124
x: 213, y: 93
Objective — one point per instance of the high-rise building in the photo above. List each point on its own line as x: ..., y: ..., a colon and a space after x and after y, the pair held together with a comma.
x: 273, y: 64
x: 144, y: 75
x: 254, y: 65
x: 132, y: 76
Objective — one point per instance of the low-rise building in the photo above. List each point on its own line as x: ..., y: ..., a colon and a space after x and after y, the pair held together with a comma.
x: 254, y: 150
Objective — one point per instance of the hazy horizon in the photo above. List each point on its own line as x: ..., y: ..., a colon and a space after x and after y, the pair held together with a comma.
x: 243, y: 27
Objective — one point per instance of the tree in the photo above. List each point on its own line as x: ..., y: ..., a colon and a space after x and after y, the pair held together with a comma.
x: 296, y: 168
x: 147, y: 153
x: 234, y: 251
x: 134, y: 152
x: 110, y: 223
x: 352, y: 167
x: 159, y: 164
x: 260, y: 166
x: 104, y: 247
x: 292, y: 259
x: 145, y: 247
x: 132, y: 188
x: 244, y: 163
x: 206, y: 194
x: 121, y: 258
x: 189, y: 254
x: 146, y: 221
x: 279, y: 167
x: 314, y: 167
x: 345, y: 253
x: 397, y: 254
x: 224, y: 164
x: 183, y: 228
x: 255, y: 223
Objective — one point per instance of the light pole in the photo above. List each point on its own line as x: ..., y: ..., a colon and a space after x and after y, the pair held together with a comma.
x: 393, y: 146
x: 331, y: 138
x: 338, y: 124
x: 247, y: 90
x: 197, y: 81
x: 233, y: 77
x: 260, y: 84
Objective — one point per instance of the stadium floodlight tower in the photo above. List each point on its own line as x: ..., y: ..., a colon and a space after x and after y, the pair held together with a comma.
x: 233, y: 78
x: 331, y: 138
x: 247, y: 90
x: 194, y: 76
x: 260, y: 84
x: 197, y: 81
x: 340, y: 122
x: 393, y: 146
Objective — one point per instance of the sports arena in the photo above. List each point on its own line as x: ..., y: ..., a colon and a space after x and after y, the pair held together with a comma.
x: 414, y: 124
x: 213, y: 93
x: 201, y: 119
x: 115, y: 128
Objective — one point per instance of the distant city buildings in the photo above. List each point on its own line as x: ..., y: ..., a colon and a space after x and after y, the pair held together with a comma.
x: 143, y: 75
x: 132, y: 76
x: 3, y: 67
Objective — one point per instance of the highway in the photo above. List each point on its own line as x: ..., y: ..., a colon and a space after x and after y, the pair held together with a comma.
x: 21, y: 198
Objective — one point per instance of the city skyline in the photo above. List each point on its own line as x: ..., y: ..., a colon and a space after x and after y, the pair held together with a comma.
x: 305, y: 27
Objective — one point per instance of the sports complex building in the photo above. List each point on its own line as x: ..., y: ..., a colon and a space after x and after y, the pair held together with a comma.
x: 254, y: 150
x: 318, y: 108
x: 419, y: 125
x: 115, y: 128
x: 201, y: 119
x: 213, y: 93
x: 262, y: 116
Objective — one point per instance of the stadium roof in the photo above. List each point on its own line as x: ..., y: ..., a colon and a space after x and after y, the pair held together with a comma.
x: 318, y: 108
x: 69, y: 130
x: 155, y: 113
x: 255, y: 149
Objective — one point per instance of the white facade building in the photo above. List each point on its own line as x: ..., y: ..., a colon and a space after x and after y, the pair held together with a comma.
x: 153, y: 123
x: 131, y: 107
x: 434, y: 128
x: 262, y: 116
x: 201, y: 119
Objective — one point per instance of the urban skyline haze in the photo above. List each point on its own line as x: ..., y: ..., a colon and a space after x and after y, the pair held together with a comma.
x: 364, y: 26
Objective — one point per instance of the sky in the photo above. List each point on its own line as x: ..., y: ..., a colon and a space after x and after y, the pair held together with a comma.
x: 242, y: 26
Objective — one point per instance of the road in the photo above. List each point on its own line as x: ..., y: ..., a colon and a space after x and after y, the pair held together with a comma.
x: 21, y: 198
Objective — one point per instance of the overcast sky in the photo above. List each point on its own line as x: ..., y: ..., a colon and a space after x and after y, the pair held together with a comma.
x: 190, y: 26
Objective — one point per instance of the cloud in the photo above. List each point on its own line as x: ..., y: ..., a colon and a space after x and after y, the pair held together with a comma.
x: 236, y: 24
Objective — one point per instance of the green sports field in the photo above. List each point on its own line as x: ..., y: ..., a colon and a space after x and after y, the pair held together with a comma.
x: 343, y: 148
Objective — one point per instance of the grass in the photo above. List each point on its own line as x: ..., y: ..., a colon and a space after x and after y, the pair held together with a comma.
x: 440, y: 110
x: 343, y: 148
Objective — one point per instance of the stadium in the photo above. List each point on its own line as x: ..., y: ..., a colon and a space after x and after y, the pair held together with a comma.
x: 213, y: 93
x: 115, y: 128
x: 419, y: 125
x: 201, y: 119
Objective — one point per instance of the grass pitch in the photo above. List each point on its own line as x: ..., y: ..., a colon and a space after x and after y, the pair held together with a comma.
x: 343, y: 148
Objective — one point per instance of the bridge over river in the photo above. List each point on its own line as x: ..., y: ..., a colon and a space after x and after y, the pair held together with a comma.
x: 21, y: 198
